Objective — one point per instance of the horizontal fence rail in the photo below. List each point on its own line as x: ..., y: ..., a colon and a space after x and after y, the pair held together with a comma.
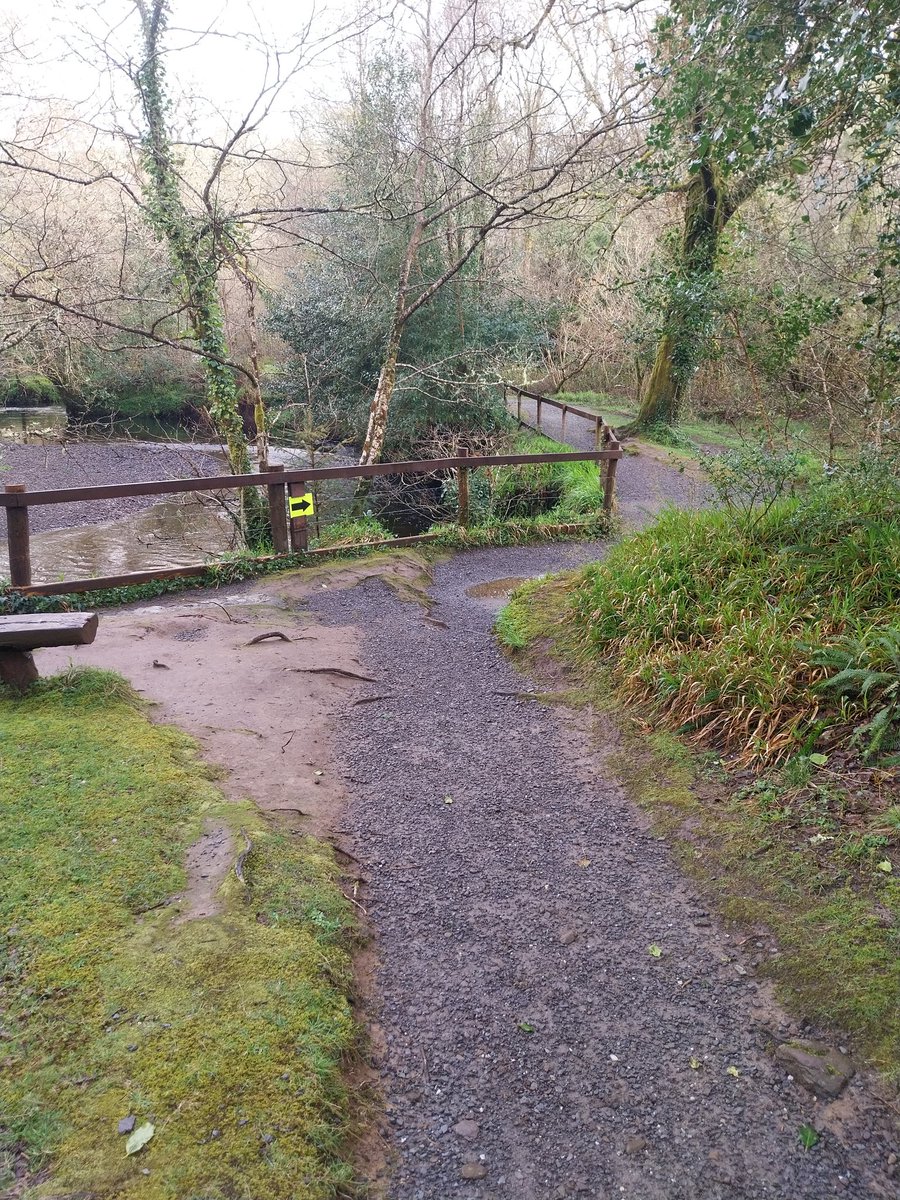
x: 288, y: 533
x: 603, y: 434
x: 20, y: 498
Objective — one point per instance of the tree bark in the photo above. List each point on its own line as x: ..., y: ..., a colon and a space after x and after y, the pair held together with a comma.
x: 380, y: 406
x: 707, y: 211
x: 191, y: 245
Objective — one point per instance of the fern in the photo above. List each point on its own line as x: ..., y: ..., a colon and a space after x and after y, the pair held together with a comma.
x: 868, y: 669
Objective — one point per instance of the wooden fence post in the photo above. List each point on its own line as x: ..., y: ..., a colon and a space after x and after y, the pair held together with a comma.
x: 609, y: 483
x: 538, y: 406
x: 563, y: 430
x: 598, y: 433
x: 18, y: 540
x: 519, y: 407
x: 462, y: 486
x: 278, y: 513
x: 299, y: 527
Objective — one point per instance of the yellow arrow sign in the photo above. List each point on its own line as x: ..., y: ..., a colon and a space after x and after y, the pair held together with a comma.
x: 301, y: 506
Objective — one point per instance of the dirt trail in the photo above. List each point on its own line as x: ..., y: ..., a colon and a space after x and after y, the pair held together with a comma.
x: 533, y: 1047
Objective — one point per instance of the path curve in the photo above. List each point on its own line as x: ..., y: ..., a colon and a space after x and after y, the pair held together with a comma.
x: 533, y: 1047
x: 647, y: 478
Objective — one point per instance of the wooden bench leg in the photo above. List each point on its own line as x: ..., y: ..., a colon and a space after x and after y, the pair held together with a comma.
x: 17, y: 669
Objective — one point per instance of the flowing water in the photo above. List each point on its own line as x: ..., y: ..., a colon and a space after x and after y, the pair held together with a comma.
x: 179, y: 530
x: 37, y: 423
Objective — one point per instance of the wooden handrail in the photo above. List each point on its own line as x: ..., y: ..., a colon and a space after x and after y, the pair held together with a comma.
x: 579, y: 412
x: 16, y: 499
x: 218, y: 483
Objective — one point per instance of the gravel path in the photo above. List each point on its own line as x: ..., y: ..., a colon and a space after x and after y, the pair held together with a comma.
x: 533, y: 1047
x: 646, y: 480
x: 85, y: 464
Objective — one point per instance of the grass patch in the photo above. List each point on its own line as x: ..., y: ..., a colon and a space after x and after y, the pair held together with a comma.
x: 695, y: 433
x: 227, y: 1033
x: 558, y: 491
x: 799, y: 849
x: 714, y: 621
x: 351, y: 531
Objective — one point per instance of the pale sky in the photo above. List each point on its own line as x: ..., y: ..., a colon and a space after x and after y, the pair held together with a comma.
x: 216, y: 49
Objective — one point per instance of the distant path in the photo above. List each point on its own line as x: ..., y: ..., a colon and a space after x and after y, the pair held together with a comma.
x: 531, y: 1040
x: 645, y: 481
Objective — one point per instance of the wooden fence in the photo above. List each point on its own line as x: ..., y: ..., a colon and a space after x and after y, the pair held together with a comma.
x: 289, y: 533
x: 604, y: 435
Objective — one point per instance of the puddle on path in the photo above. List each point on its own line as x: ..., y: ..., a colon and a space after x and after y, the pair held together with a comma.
x: 495, y: 592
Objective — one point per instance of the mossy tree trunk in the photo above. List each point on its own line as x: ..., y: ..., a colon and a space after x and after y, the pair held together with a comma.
x: 679, y: 350
x: 192, y: 244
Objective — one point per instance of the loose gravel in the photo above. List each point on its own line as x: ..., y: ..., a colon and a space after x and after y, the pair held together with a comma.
x: 89, y: 464
x: 535, y: 1046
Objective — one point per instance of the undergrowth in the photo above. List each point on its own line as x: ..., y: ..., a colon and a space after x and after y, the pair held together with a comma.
x: 715, y: 622
x: 225, y: 1033
x: 560, y: 491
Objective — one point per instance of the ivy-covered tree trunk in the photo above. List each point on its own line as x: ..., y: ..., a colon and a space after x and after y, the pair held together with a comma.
x: 192, y: 247
x: 381, y: 401
x: 687, y: 317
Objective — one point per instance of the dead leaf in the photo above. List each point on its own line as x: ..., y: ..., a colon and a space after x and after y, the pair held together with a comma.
x: 654, y: 951
x: 140, y: 1138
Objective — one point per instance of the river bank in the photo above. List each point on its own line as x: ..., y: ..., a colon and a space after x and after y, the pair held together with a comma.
x: 89, y: 464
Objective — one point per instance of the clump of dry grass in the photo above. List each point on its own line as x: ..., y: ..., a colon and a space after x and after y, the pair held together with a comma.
x: 714, y: 624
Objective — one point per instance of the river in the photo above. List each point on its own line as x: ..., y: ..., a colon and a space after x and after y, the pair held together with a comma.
x: 40, y: 449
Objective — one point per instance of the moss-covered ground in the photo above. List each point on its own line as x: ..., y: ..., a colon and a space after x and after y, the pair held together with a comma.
x: 809, y: 849
x: 227, y: 1034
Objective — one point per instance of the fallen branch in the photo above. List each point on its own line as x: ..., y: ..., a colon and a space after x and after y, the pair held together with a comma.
x: 264, y: 637
x: 331, y: 671
x: 370, y: 700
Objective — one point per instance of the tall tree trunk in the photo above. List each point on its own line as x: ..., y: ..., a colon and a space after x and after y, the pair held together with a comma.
x: 380, y: 406
x: 191, y: 246
x: 707, y: 210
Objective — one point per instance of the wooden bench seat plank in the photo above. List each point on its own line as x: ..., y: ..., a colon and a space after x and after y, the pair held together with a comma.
x: 33, y: 630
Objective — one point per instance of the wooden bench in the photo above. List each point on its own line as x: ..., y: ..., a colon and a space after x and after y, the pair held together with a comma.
x: 20, y: 635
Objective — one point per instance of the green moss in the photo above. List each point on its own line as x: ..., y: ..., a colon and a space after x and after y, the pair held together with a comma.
x: 837, y: 921
x: 227, y: 1032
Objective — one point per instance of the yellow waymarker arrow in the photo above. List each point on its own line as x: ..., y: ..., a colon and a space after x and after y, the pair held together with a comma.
x: 301, y: 506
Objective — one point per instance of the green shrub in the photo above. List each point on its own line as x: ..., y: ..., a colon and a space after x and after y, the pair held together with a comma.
x: 28, y: 389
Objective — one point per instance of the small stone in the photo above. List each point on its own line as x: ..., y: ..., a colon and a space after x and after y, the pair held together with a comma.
x: 131, y: 1049
x: 467, y: 1129
x: 568, y: 936
x: 215, y: 1135
x: 817, y: 1067
x: 635, y: 1144
x: 268, y: 1139
x: 473, y: 1171
x: 126, y: 1124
